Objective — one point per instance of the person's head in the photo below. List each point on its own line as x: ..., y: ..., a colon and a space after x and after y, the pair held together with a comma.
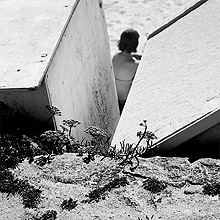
x: 128, y: 41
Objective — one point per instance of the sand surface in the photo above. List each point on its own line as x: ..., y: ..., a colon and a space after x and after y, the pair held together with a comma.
x: 142, y: 15
x: 58, y: 180
x: 159, y: 189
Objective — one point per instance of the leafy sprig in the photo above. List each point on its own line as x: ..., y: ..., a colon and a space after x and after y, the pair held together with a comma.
x: 53, y: 111
x: 127, y: 153
x: 71, y: 123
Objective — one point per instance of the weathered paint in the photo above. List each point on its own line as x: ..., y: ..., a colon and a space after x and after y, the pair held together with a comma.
x: 29, y: 33
x: 56, y: 52
x: 177, y: 82
x: 80, y: 78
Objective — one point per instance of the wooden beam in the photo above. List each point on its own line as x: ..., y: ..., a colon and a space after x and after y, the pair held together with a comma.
x: 189, y: 131
x: 195, y: 6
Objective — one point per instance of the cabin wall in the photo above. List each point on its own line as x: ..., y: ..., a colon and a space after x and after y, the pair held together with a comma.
x: 177, y: 81
x: 14, y: 104
x: 80, y: 77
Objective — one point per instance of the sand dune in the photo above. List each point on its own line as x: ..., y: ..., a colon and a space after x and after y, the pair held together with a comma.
x: 142, y: 15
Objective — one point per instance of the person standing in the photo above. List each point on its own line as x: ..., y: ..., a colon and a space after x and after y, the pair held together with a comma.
x: 125, y: 64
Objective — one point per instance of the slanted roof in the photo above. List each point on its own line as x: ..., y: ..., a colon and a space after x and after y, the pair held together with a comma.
x: 30, y: 31
x: 176, y: 88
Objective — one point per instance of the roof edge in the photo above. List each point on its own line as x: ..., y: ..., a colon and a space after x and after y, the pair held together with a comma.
x: 190, y: 130
x: 168, y: 24
x: 59, y: 40
x: 38, y: 84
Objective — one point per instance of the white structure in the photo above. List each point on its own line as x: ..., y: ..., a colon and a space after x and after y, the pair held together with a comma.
x: 177, y: 85
x: 56, y: 53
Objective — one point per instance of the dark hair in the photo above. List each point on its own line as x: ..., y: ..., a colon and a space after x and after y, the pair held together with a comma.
x: 128, y: 41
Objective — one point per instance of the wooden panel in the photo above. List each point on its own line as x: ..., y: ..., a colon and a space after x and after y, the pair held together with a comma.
x: 30, y: 30
x: 80, y: 78
x: 24, y: 108
x: 177, y: 82
x: 191, y: 130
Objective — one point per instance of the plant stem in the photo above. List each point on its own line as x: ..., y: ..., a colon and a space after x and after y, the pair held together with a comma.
x: 142, y: 137
x: 70, y: 131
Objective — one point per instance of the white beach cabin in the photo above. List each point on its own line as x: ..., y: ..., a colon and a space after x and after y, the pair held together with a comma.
x: 56, y: 53
x: 177, y: 85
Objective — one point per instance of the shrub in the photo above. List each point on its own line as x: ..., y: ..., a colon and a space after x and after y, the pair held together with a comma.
x: 211, y: 188
x: 99, y: 192
x: 30, y: 196
x: 54, y: 142
x: 48, y: 215
x: 68, y: 204
x: 6, y: 181
x: 129, y: 153
x: 154, y: 185
x: 8, y: 184
x: 10, y: 151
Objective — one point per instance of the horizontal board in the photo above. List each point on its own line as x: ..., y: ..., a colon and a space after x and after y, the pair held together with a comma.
x: 30, y: 31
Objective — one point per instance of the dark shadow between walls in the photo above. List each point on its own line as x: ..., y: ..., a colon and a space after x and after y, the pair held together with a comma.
x: 194, y: 151
x: 204, y: 145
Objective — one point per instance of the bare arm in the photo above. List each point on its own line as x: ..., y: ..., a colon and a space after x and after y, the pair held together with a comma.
x: 137, y: 56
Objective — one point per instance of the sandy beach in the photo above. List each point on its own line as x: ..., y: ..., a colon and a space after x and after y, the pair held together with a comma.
x: 76, y: 186
x: 142, y: 15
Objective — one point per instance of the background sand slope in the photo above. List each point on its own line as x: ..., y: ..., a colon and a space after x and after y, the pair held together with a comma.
x: 142, y: 15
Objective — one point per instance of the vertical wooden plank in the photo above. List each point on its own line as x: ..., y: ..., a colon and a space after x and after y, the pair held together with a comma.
x: 80, y: 78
